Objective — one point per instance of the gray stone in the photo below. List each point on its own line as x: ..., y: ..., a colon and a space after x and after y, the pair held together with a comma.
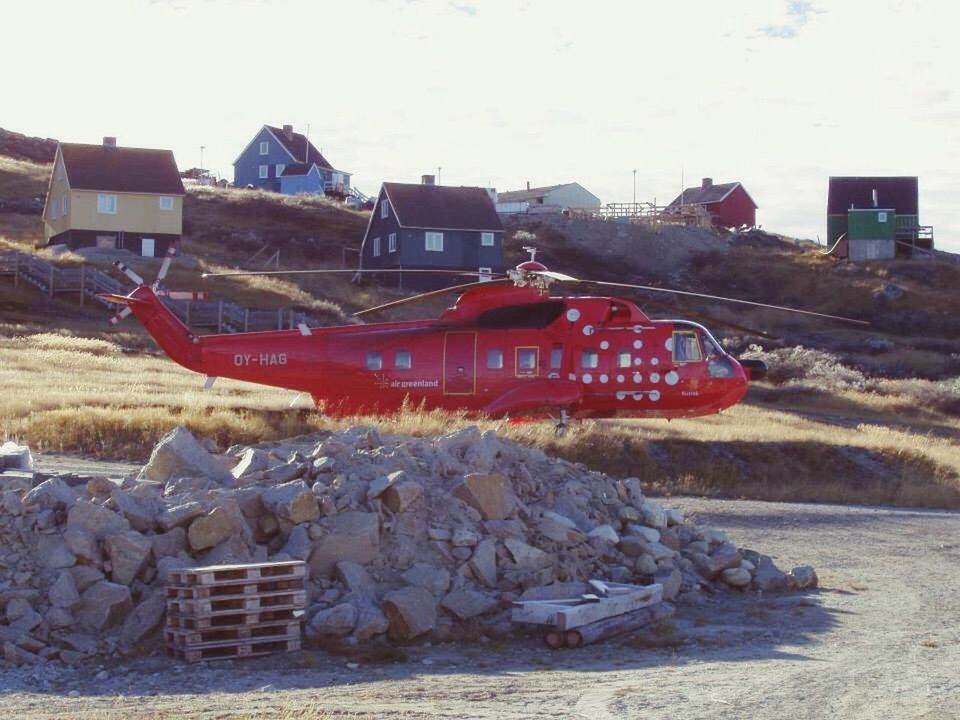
x: 559, y: 528
x: 85, y: 575
x: 370, y: 619
x: 803, y: 577
x: 526, y: 556
x: 286, y: 473
x: 298, y: 545
x: 179, y: 515
x: 63, y: 593
x: 94, y: 519
x: 464, y: 537
x: 11, y: 502
x: 768, y: 577
x: 54, y: 552
x: 654, y: 514
x: 103, y: 605
x: 647, y: 533
x: 736, y: 577
x: 337, y: 621
x: 292, y: 501
x: 353, y: 536
x: 466, y: 604
x: 60, y: 617
x: 178, y: 454
x: 671, y: 580
x: 645, y: 565
x: 411, y: 612
x: 51, y: 493
x: 144, y: 619
x: 166, y: 564
x: 399, y: 496
x: 169, y: 543
x: 503, y: 529
x: 439, y: 533
x: 355, y: 578
x: 378, y: 486
x: 252, y: 461
x: 140, y: 512
x: 435, y: 580
x: 83, y: 545
x: 324, y: 464
x: 488, y: 493
x: 636, y: 545
x: 462, y: 553
x: 483, y: 562
x: 212, y: 529
x: 128, y: 553
x: 605, y: 533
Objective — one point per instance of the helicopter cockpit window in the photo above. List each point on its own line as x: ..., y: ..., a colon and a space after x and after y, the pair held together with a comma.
x: 495, y: 359
x: 623, y: 358
x: 589, y: 359
x: 402, y: 360
x: 686, y: 347
x: 374, y: 361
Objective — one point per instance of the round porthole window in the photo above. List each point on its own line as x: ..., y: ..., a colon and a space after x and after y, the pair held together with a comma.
x: 588, y: 329
x: 573, y: 314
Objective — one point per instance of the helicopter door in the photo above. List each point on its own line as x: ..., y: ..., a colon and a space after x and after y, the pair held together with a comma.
x: 459, y: 363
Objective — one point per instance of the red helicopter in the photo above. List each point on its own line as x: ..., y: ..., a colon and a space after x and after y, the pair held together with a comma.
x: 506, y: 348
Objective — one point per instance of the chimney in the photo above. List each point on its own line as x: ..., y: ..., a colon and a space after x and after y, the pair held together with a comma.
x: 109, y: 142
x: 528, y: 184
x: 288, y: 131
x: 428, y: 180
x: 707, y: 182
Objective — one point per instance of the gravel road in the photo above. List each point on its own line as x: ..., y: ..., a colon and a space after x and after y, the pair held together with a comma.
x: 881, y: 639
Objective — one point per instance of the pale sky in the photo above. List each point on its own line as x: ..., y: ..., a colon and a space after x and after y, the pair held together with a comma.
x: 779, y: 94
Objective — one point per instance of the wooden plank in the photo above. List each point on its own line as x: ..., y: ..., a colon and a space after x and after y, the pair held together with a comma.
x: 217, y: 637
x: 617, y: 625
x: 569, y: 618
x: 238, y: 650
x: 226, y: 574
x: 247, y: 588
x: 227, y: 620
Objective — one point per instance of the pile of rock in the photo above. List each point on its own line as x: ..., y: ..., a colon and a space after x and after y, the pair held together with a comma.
x: 405, y: 538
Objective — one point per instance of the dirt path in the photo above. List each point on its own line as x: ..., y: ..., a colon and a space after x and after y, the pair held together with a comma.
x: 881, y: 639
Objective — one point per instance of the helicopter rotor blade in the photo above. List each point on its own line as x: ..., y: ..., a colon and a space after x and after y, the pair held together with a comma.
x: 705, y: 296
x: 324, y: 271
x: 708, y: 319
x: 424, y: 296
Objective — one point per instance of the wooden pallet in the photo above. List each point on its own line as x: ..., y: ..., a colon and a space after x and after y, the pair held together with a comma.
x: 233, y: 574
x: 192, y: 592
x: 176, y: 621
x: 210, y: 637
x: 234, y: 649
x: 235, y: 603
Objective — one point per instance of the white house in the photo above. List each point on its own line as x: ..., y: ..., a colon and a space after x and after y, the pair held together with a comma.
x: 555, y: 198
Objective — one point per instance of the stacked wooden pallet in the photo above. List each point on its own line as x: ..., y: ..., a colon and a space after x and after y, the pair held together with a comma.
x: 232, y: 611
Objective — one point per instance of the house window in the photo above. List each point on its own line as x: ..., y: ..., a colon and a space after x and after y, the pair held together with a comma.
x: 623, y: 358
x: 280, y: 169
x: 374, y: 361
x: 402, y: 360
x: 486, y: 239
x: 265, y: 148
x: 166, y: 202
x: 392, y: 242
x: 106, y: 204
x: 264, y: 172
x: 589, y: 359
x: 685, y: 347
x: 434, y: 241
x: 384, y: 209
x: 495, y: 359
x: 376, y: 247
x: 486, y: 274
x: 64, y: 204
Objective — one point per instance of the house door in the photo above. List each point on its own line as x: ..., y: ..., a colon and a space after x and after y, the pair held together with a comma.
x: 147, y: 247
x: 459, y: 363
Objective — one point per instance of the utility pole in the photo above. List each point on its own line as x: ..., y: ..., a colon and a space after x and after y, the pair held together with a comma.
x: 438, y: 174
x: 202, y: 147
x: 634, y: 187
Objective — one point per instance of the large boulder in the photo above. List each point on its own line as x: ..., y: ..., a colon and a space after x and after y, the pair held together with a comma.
x: 212, y: 529
x: 128, y: 553
x: 103, y: 605
x: 179, y: 515
x: 433, y: 579
x: 489, y: 494
x: 526, y: 556
x: 483, y: 562
x: 144, y: 619
x: 63, y: 593
x: 141, y: 512
x: 466, y: 604
x: 292, y: 501
x: 337, y: 621
x: 353, y: 535
x: 355, y: 578
x: 178, y: 454
x: 400, y: 496
x: 94, y: 519
x: 411, y: 612
x: 559, y: 528
x: 50, y: 494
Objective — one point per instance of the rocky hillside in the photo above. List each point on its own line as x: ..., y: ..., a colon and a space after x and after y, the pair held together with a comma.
x: 23, y: 147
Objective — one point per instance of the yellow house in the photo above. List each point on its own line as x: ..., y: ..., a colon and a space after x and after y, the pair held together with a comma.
x: 114, y: 197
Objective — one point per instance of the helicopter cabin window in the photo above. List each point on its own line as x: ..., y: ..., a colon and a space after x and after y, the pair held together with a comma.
x: 527, y: 361
x: 434, y: 241
x: 589, y: 359
x: 376, y: 247
x: 495, y: 359
x: 374, y: 361
x: 686, y: 347
x: 623, y: 358
x: 556, y: 357
x: 402, y: 360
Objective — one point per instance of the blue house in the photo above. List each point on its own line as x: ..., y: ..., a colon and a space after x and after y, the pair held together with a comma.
x: 430, y: 226
x: 282, y: 160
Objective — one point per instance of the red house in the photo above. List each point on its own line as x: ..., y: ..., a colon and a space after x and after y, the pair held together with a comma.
x: 728, y: 204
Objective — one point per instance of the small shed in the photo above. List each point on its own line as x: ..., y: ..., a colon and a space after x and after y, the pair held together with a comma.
x: 871, y: 234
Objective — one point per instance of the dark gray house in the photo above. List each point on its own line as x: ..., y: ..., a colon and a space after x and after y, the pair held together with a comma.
x: 430, y: 226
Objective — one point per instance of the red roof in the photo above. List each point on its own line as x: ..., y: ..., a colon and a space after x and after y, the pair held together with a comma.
x: 443, y: 207
x: 707, y: 195
x: 121, y: 169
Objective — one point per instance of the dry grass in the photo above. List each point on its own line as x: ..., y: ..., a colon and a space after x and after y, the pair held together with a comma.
x: 86, y: 395
x: 21, y: 179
